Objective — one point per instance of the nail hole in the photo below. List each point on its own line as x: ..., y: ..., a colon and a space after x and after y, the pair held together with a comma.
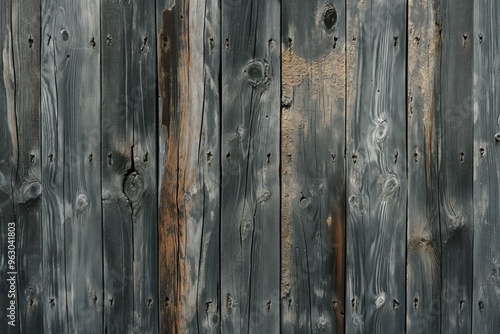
x: 149, y: 302
x: 91, y: 157
x: 49, y: 39
x: 395, y: 304
x: 462, y: 304
x: 335, y: 39
x: 228, y: 155
x: 481, y: 306
x: 51, y: 157
x: 464, y: 36
x: 481, y: 152
x: 144, y: 41
x: 146, y: 157
x: 32, y: 158
x: 110, y: 159
x: 30, y: 42
x: 109, y: 40
x: 52, y: 302
x: 92, y: 43
x: 462, y: 157
x: 354, y: 158
x: 480, y: 38
x: 415, y: 304
x: 395, y: 40
x: 289, y: 42
x: 268, y: 305
x: 111, y: 301
x: 227, y: 43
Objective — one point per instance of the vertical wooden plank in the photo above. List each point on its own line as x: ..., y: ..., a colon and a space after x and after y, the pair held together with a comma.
x: 486, y: 258
x: 455, y: 142
x: 376, y: 152
x: 423, y: 302
x: 8, y: 159
x: 27, y: 189
x: 129, y: 166
x: 250, y: 221
x: 54, y: 248
x: 312, y: 157
x: 116, y: 161
x: 189, y: 70
x: 71, y: 71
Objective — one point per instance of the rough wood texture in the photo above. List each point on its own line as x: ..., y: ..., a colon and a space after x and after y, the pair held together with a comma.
x: 250, y: 218
x: 8, y: 153
x: 486, y: 155
x: 71, y: 145
x: 312, y: 157
x: 189, y: 70
x: 27, y: 185
x: 455, y: 122
x: 423, y: 301
x: 376, y: 151
x: 129, y: 166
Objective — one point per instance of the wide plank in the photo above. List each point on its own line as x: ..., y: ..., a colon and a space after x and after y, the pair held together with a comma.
x: 376, y: 166
x: 313, y: 197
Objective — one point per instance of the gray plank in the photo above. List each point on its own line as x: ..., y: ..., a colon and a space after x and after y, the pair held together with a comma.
x: 424, y: 239
x: 117, y: 163
x: 27, y: 185
x: 8, y: 152
x: 486, y: 260
x: 53, y: 262
x: 71, y: 67
x: 312, y: 157
x: 455, y: 133
x: 189, y: 69
x: 129, y: 166
x: 250, y: 216
x: 376, y: 172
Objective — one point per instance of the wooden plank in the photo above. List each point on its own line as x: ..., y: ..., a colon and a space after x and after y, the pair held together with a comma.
x: 424, y: 239
x: 312, y: 157
x: 27, y: 185
x: 486, y: 260
x: 455, y: 133
x: 129, y: 168
x: 8, y: 152
x: 250, y: 218
x: 189, y: 70
x: 71, y: 75
x: 376, y: 151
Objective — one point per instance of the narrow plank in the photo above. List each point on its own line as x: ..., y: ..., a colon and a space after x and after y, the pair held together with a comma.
x: 27, y: 185
x: 129, y: 166
x: 117, y: 163
x: 189, y: 71
x: 53, y: 248
x: 376, y: 160
x: 312, y: 157
x: 455, y: 132
x: 250, y: 217
x: 424, y: 239
x: 8, y: 159
x: 74, y: 73
x: 486, y: 258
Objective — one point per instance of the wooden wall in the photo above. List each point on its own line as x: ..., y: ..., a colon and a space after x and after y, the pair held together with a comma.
x: 250, y: 166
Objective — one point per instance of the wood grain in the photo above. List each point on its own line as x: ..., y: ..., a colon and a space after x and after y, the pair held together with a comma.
x: 486, y: 155
x: 129, y: 166
x: 423, y: 301
x: 376, y: 166
x: 312, y: 158
x: 8, y: 154
x: 71, y: 89
x: 27, y: 185
x: 455, y: 122
x: 250, y: 218
x: 189, y: 71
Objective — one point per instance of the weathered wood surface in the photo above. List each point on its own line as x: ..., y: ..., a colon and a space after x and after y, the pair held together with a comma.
x: 250, y: 207
x: 486, y: 155
x: 129, y: 186
x: 423, y: 300
x: 376, y: 172
x: 71, y: 149
x: 27, y: 184
x: 312, y: 156
x: 8, y: 154
x: 189, y: 71
x: 157, y: 185
x: 455, y: 131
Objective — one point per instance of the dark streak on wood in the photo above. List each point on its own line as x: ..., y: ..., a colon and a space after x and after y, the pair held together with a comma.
x: 455, y: 119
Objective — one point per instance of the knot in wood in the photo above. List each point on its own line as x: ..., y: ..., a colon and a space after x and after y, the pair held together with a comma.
x: 257, y: 73
x: 133, y: 186
x: 31, y: 191
x: 380, y: 300
x: 330, y: 18
x: 81, y: 203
